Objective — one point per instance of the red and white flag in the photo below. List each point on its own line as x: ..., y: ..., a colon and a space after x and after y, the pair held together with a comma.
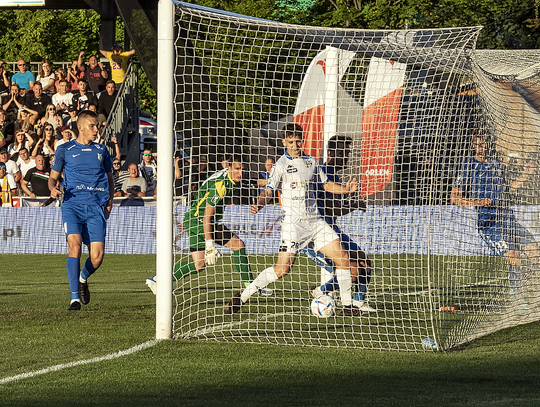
x: 380, y: 118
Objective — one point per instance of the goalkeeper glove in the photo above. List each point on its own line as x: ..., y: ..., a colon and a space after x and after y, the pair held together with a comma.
x: 211, y: 254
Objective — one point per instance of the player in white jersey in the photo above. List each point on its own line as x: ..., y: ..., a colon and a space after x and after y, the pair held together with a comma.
x: 297, y: 175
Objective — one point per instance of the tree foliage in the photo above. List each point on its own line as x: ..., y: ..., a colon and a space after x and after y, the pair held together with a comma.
x: 508, y: 24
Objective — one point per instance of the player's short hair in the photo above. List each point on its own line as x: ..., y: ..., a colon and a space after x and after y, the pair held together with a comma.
x: 292, y: 130
x: 337, y: 139
x: 86, y: 114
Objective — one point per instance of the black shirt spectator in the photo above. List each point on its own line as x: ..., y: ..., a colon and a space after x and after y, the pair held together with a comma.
x: 106, y: 101
x: 37, y: 100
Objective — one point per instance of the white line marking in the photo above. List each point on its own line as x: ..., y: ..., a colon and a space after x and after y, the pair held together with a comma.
x: 81, y: 362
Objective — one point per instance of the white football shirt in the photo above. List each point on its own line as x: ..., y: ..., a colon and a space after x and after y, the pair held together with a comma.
x: 297, y: 179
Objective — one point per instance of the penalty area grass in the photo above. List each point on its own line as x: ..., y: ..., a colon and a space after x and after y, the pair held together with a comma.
x: 37, y: 333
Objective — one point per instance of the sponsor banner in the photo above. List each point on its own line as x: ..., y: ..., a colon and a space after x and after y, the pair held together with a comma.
x: 449, y: 230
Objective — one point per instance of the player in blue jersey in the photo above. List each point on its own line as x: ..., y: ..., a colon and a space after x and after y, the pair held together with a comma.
x: 482, y: 182
x: 333, y: 206
x: 86, y: 169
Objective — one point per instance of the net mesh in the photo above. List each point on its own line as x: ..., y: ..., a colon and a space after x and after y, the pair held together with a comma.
x: 408, y: 104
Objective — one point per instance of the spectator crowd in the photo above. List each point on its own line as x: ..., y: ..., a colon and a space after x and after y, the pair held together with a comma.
x: 39, y: 112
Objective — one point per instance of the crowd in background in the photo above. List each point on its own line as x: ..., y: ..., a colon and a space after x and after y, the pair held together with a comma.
x: 38, y: 112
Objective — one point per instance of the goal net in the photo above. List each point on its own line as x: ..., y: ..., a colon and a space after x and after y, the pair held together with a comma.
x: 442, y: 139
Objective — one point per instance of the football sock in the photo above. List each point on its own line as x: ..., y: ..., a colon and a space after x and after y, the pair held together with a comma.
x: 345, y: 285
x: 73, y: 266
x: 183, y: 269
x: 266, y: 277
x: 87, y: 270
x: 327, y: 272
x: 241, y: 265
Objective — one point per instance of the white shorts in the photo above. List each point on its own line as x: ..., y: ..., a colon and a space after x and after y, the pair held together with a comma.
x: 297, y: 234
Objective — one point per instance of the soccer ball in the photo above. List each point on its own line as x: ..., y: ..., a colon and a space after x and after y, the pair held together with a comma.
x: 323, y: 306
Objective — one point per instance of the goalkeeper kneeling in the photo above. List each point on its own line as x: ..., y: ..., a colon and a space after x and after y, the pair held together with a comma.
x: 205, y: 232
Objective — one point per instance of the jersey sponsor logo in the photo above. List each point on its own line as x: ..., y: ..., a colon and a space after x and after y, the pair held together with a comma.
x: 86, y: 149
x: 297, y: 185
x: 291, y: 169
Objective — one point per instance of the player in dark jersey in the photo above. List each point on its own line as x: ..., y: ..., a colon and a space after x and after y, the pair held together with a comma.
x: 205, y: 231
x: 86, y: 167
x: 481, y: 182
x: 331, y: 206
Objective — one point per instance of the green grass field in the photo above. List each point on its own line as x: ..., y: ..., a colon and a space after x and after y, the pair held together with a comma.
x: 37, y: 333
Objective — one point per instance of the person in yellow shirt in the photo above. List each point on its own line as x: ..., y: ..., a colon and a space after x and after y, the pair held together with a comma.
x: 119, y: 62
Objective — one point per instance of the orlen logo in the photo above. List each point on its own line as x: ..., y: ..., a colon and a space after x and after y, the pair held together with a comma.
x: 377, y: 173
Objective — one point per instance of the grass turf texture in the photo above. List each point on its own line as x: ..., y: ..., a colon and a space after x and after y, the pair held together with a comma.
x: 37, y: 332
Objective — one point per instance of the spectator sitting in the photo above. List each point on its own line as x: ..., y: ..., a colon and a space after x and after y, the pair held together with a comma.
x: 49, y: 117
x: 38, y: 177
x: 67, y: 135
x: 63, y: 99
x: 135, y: 185
x: 73, y: 75
x: 6, y: 130
x: 47, y: 78
x: 118, y: 60
x: 11, y: 166
x: 94, y: 72
x: 92, y: 107
x: 45, y: 144
x: 71, y: 121
x: 119, y: 176
x: 106, y: 102
x: 22, y: 139
x: 37, y: 100
x: 83, y: 96
x: 4, y: 80
x: 60, y: 74
x: 25, y: 79
x: 148, y: 169
x: 25, y: 162
x: 26, y: 119
x: 9, y: 186
x: 12, y: 103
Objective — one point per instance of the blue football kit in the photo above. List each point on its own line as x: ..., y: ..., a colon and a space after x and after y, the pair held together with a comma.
x: 496, y: 223
x: 86, y: 188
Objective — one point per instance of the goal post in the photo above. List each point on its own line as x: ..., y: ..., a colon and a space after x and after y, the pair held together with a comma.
x: 428, y: 270
x: 165, y: 145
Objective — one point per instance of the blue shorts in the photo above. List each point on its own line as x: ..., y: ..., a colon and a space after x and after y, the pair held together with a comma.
x: 86, y: 220
x: 506, y: 235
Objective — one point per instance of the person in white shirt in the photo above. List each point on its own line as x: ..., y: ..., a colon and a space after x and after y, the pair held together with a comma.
x: 62, y: 99
x: 24, y: 161
x: 297, y: 175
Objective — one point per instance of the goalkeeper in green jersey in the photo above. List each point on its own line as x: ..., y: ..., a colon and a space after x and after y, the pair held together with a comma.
x: 205, y: 231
